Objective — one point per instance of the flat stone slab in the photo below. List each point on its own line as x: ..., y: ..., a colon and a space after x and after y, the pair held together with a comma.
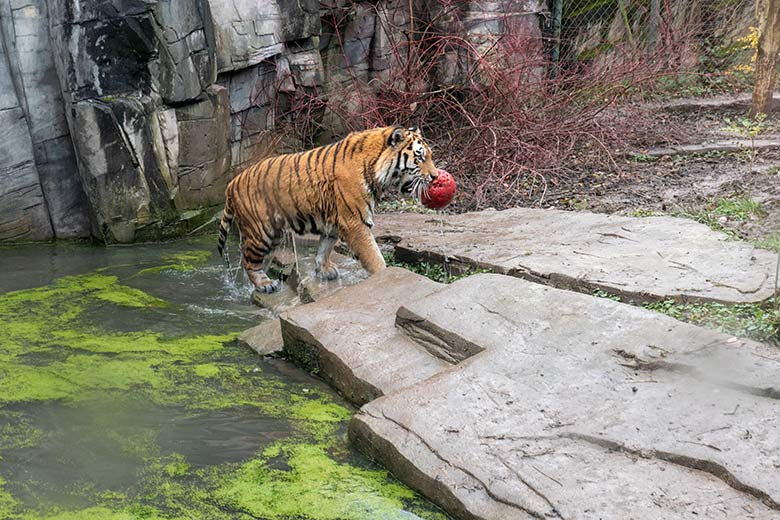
x: 265, y: 338
x: 643, y: 259
x: 569, y: 406
x: 730, y: 145
x: 349, y: 339
x: 717, y: 103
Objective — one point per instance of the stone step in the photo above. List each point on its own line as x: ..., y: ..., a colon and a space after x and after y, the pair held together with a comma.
x: 643, y: 259
x: 729, y: 145
x: 569, y: 406
x: 727, y: 102
x: 349, y: 339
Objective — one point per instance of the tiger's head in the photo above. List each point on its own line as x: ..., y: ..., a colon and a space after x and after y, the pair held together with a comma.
x: 406, y: 163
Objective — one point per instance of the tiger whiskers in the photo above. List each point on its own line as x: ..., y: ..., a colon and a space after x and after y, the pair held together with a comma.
x: 419, y: 187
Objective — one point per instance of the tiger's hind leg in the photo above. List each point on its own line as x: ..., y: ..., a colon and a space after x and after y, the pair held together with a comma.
x: 324, y: 265
x: 256, y: 263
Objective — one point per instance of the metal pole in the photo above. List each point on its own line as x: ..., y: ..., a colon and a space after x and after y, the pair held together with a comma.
x: 557, y: 18
x: 654, y: 24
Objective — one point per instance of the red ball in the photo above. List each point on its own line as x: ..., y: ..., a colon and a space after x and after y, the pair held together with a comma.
x: 440, y: 191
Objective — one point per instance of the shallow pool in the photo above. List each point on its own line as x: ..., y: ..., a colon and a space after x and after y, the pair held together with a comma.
x: 123, y: 394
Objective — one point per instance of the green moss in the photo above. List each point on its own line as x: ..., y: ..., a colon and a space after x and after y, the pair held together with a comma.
x: 756, y: 321
x: 176, y: 468
x: 760, y: 322
x: 736, y: 208
x: 441, y: 273
x: 314, y: 486
x: 186, y: 261
x: 771, y: 243
x: 8, y: 505
x: 58, y: 346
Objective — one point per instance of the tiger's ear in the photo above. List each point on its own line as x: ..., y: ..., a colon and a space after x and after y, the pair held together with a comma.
x: 396, y: 137
x: 413, y: 128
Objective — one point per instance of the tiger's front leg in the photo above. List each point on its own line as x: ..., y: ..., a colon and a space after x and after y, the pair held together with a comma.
x: 361, y: 241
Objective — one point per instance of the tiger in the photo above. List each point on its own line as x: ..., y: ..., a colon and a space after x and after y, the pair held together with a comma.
x: 330, y: 191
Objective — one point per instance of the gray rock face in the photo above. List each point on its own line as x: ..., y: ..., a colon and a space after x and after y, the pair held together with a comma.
x: 638, y: 258
x: 187, y: 51
x: 248, y: 32
x: 132, y: 115
x: 203, y: 150
x: 119, y: 161
x: 144, y: 167
x: 26, y: 34
x: 103, y: 49
x: 23, y: 211
x: 570, y: 406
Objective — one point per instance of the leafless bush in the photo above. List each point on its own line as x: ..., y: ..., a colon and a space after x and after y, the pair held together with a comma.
x: 498, y: 118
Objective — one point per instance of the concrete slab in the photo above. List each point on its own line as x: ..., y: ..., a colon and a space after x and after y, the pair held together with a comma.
x: 570, y: 406
x: 643, y: 259
x: 349, y: 339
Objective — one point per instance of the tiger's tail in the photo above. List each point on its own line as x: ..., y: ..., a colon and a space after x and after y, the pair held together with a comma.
x: 224, y: 229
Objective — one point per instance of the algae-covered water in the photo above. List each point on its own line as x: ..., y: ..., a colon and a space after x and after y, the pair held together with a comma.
x: 124, y: 395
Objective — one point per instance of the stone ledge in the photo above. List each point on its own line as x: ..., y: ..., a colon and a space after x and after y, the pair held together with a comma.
x: 640, y: 259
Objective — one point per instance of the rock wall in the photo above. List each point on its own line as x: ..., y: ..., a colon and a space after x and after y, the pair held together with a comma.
x: 124, y: 119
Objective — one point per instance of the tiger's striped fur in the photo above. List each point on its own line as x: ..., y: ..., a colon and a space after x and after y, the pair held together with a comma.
x: 329, y: 191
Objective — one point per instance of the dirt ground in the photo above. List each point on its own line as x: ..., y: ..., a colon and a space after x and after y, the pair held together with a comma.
x: 711, y: 184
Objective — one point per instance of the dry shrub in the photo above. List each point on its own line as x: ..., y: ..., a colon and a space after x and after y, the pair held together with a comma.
x: 507, y: 128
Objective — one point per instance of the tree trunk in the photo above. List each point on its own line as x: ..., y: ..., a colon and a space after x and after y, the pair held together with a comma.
x: 766, y: 58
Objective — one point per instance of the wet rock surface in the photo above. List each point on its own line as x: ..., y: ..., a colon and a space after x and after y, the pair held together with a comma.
x: 299, y: 280
x: 643, y: 259
x: 350, y: 340
x: 265, y: 338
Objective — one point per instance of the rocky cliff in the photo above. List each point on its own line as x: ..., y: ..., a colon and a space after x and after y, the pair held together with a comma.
x: 124, y: 119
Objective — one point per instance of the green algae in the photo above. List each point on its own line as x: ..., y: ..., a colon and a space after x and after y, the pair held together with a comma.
x: 186, y: 261
x: 37, y: 327
x: 8, y: 505
x: 315, y: 486
x: 57, y: 349
x: 206, y: 370
x: 317, y: 416
x: 18, y: 432
x: 93, y: 513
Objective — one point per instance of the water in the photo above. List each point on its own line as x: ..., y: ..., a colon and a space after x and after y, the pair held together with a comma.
x: 123, y: 394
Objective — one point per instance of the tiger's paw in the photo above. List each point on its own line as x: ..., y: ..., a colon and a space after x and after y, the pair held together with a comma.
x: 328, y: 273
x: 270, y: 287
